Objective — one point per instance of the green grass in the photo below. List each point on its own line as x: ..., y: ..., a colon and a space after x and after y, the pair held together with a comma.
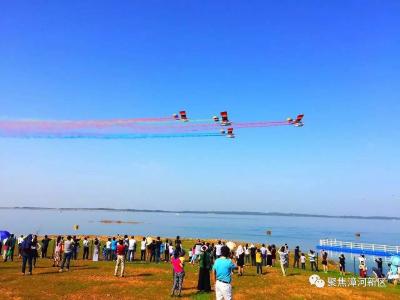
x: 94, y: 280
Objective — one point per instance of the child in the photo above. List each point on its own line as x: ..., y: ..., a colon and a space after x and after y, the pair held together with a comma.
x: 303, y: 261
x: 259, y: 261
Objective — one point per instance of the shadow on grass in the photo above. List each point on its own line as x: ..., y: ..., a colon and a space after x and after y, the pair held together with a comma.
x: 56, y: 270
x: 294, y: 274
x: 140, y: 275
x: 199, y: 295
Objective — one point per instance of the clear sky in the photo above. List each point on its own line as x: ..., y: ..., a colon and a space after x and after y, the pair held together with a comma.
x: 338, y: 62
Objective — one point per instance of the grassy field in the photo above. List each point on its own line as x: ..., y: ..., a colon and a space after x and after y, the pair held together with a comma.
x: 95, y: 280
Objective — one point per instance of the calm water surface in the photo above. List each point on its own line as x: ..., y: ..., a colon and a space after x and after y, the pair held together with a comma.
x: 303, y: 231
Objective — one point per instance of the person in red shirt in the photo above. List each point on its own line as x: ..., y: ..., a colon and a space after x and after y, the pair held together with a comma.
x: 120, y: 258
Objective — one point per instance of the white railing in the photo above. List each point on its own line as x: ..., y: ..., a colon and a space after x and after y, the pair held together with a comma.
x: 361, y: 246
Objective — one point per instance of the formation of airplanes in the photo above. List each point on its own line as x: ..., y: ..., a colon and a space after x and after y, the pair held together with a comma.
x: 223, y: 120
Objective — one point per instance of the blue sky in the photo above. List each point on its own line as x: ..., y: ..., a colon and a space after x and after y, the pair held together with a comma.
x: 336, y: 61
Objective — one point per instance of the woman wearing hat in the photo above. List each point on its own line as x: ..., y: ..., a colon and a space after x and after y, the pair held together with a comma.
x: 204, y: 271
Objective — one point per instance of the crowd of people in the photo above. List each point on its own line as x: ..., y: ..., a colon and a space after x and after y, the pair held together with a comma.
x: 219, y: 259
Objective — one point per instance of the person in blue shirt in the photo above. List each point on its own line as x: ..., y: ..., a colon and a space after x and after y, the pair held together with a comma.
x: 222, y: 271
x: 114, y: 248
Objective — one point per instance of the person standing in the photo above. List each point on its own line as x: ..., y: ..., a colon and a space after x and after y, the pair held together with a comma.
x: 379, y: 264
x: 85, y: 244
x: 35, y: 250
x: 218, y: 247
x: 11, y: 241
x: 5, y: 247
x: 26, y: 252
x: 45, y: 246
x: 303, y: 261
x: 240, y: 259
x: 75, y: 248
x: 58, y: 250
x: 296, y: 263
x: 253, y: 251
x: 311, y: 257
x: 178, y: 241
x: 264, y: 254
x: 171, y: 250
x: 284, y: 259
x: 325, y: 261
x: 178, y: 271
x: 120, y: 251
x: 273, y: 254
x: 131, y: 248
x: 68, y: 252
x: 362, y: 266
x: 203, y: 283
x: 126, y: 244
x: 20, y: 240
x: 342, y: 264
x: 197, y: 250
x: 157, y: 250
x: 287, y: 251
x: 96, y: 249
x: 143, y: 249
x: 222, y: 274
x: 108, y: 249
x: 269, y: 256
x: 247, y: 254
x: 166, y: 250
x: 113, y: 249
x: 259, y: 261
x: 152, y: 250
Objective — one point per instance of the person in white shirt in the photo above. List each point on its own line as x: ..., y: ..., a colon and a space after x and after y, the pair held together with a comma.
x: 218, y: 247
x: 131, y: 248
x: 166, y: 250
x: 143, y: 245
x: 20, y: 240
x: 85, y: 245
x: 247, y: 254
x: 264, y: 255
x: 303, y: 261
x: 108, y: 249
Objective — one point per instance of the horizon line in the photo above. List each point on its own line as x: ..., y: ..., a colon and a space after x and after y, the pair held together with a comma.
x: 218, y: 212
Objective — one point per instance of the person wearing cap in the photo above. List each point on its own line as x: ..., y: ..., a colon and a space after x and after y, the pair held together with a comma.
x: 223, y: 268
x: 203, y: 284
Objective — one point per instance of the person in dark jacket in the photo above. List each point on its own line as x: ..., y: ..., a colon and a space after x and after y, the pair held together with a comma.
x: 253, y: 255
x: 26, y: 252
x: 203, y: 283
x: 296, y: 263
x: 152, y: 248
x: 45, y: 246
x: 10, y: 248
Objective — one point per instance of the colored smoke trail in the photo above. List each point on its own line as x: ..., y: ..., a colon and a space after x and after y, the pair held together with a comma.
x: 123, y: 128
x: 114, y: 136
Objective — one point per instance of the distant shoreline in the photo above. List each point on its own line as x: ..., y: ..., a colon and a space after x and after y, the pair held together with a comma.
x: 248, y: 213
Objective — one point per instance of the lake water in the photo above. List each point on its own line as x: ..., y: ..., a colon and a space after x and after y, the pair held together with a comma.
x: 303, y: 231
